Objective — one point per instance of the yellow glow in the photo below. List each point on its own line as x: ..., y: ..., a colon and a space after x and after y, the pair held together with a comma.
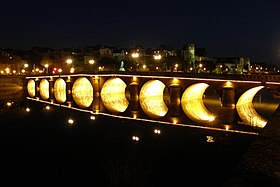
x: 134, y: 79
x: 135, y: 55
x: 60, y: 90
x: 193, y: 105
x: 69, y: 61
x: 246, y: 109
x: 113, y: 95
x: 157, y: 57
x: 82, y: 92
x: 157, y: 131
x: 44, y: 89
x: 91, y: 61
x: 227, y: 127
x: 175, y: 81
x: 228, y: 84
x: 151, y: 99
x: 70, y: 121
x: 135, y: 138
x: 31, y: 88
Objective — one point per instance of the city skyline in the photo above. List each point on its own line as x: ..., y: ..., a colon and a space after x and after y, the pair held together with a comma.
x: 224, y: 29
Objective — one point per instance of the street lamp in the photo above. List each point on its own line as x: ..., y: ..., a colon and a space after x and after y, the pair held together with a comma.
x: 47, y: 68
x: 69, y: 61
x: 91, y: 61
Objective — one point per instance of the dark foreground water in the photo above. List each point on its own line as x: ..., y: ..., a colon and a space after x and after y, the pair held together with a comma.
x: 40, y: 144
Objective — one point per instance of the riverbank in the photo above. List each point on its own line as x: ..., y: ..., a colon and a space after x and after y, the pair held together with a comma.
x: 260, y: 165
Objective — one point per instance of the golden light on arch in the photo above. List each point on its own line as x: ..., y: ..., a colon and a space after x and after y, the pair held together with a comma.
x: 246, y: 110
x: 192, y: 103
x: 82, y: 92
x: 60, y: 90
x: 31, y: 88
x: 228, y: 84
x: 113, y: 95
x: 151, y: 99
x: 44, y: 89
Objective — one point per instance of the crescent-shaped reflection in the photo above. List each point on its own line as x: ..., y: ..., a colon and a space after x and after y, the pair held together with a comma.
x: 82, y: 92
x: 44, y: 89
x: 113, y: 95
x: 151, y: 99
x: 60, y: 90
x: 246, y: 110
x: 192, y: 103
x: 31, y: 88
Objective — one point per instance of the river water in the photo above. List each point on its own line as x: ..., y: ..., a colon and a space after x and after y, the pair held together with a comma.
x: 42, y: 144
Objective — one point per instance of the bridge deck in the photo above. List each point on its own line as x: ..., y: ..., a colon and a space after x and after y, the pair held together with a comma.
x: 260, y: 166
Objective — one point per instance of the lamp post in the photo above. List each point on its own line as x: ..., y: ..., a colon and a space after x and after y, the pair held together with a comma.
x: 47, y: 68
x: 91, y: 62
x: 135, y: 56
x: 157, y: 58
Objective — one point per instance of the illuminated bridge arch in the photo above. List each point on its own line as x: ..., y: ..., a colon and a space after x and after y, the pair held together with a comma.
x: 44, y: 89
x: 31, y: 88
x: 246, y: 109
x: 82, y: 92
x: 60, y: 90
x: 113, y: 95
x: 192, y: 103
x: 151, y: 99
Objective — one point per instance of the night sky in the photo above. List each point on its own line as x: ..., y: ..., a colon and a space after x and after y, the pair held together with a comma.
x: 226, y: 28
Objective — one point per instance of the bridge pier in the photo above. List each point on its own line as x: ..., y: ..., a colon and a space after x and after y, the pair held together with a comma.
x: 51, y: 89
x: 69, y: 97
x: 175, y: 99
x: 134, y: 96
x: 95, y: 81
x: 37, y: 88
x: 228, y: 96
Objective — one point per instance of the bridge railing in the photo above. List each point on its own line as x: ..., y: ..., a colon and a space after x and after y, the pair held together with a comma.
x: 256, y: 77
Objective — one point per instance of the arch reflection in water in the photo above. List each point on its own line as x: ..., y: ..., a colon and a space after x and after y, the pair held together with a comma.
x: 60, y: 90
x: 192, y: 103
x: 246, y: 109
x: 113, y: 95
x: 44, y: 89
x: 151, y: 99
x: 31, y: 88
x: 82, y: 92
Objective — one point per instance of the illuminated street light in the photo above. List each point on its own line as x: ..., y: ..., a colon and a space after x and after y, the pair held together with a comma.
x: 135, y: 55
x: 157, y: 57
x: 69, y: 61
x: 91, y: 61
x: 47, y: 68
x: 157, y: 131
x: 70, y: 121
x: 135, y: 138
x: 72, y: 70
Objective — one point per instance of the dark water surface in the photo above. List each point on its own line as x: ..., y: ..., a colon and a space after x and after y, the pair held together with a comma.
x: 40, y: 144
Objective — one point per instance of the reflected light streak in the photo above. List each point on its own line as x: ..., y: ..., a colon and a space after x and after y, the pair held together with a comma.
x: 151, y: 99
x: 113, y: 95
x: 247, y: 111
x: 193, y: 105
